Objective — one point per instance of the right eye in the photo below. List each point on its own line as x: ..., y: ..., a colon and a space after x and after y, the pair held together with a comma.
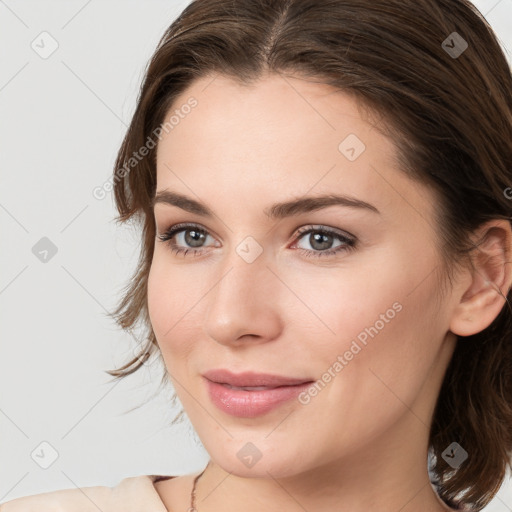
x: 190, y: 237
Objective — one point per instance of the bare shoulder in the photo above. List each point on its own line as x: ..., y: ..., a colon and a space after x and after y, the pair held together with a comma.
x: 132, y: 493
x: 66, y: 500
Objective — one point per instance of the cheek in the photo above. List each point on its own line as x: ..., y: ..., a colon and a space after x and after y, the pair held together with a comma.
x: 388, y: 341
x: 158, y: 301
x: 383, y: 321
x: 375, y: 365
x: 349, y: 304
x: 169, y: 299
x: 390, y: 296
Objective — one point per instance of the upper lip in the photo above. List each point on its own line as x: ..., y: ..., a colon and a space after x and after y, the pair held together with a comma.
x: 247, y: 379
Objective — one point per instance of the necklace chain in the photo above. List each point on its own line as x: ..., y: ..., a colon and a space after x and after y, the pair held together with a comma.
x: 193, y: 508
x: 193, y: 493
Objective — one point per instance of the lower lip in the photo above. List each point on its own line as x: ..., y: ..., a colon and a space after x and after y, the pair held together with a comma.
x: 248, y: 404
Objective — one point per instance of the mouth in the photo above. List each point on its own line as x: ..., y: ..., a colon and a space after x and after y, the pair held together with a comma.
x: 252, y: 380
x: 248, y: 388
x: 248, y: 395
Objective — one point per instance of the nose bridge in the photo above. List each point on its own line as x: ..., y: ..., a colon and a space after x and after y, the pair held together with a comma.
x: 245, y: 273
x: 244, y: 279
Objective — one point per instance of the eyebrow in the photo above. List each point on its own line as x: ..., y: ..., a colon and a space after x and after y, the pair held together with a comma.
x: 275, y: 211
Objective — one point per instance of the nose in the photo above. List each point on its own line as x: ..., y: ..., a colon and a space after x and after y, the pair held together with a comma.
x: 243, y: 305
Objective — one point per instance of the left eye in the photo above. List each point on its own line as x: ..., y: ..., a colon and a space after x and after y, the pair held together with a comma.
x: 321, y: 240
x: 192, y: 237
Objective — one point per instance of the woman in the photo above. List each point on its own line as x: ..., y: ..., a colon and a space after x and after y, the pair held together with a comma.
x: 324, y: 190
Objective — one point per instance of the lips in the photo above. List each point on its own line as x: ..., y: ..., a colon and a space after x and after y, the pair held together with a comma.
x: 248, y: 394
x: 251, y: 380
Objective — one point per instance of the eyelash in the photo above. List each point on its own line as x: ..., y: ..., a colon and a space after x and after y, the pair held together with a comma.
x: 350, y: 243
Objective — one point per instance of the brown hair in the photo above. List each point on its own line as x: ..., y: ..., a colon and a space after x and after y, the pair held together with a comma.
x: 450, y: 116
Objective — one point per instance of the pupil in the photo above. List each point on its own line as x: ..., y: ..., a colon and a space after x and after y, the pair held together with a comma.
x: 194, y: 239
x: 318, y: 237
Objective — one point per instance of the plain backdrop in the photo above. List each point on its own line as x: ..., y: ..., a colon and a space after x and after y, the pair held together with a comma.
x: 64, y: 423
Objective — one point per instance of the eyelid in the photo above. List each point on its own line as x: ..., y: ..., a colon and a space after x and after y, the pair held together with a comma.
x: 348, y: 241
x: 182, y: 226
x: 328, y: 229
x: 179, y: 227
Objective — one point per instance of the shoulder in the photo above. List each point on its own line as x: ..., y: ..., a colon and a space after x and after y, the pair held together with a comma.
x: 131, y: 494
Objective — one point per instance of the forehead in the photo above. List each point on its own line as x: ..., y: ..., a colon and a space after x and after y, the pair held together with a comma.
x: 273, y: 110
x: 281, y: 134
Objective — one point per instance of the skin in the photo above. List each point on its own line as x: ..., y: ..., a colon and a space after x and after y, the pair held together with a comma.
x: 361, y: 442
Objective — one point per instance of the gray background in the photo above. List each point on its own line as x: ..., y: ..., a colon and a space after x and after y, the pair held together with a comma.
x: 63, y: 119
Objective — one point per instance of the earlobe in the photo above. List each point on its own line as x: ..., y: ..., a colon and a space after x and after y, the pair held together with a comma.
x: 489, y: 281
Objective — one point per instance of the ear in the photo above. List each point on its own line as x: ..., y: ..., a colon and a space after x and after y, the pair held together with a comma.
x: 481, y: 292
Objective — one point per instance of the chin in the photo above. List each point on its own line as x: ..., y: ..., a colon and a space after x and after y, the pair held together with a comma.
x: 257, y: 459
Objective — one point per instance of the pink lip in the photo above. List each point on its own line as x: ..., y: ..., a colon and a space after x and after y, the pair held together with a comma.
x: 251, y: 403
x: 223, y: 376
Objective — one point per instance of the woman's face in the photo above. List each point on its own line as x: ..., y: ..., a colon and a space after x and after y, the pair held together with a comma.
x: 278, y: 279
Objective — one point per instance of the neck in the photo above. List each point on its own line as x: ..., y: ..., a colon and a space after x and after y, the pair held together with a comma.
x: 220, y: 490
x: 385, y: 475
